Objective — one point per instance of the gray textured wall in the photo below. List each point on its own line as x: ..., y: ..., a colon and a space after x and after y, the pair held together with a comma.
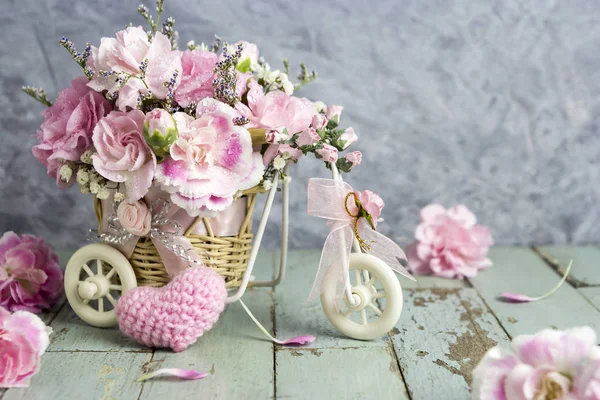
x: 490, y: 103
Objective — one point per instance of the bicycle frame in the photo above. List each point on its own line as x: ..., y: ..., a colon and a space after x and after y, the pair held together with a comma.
x: 284, y: 240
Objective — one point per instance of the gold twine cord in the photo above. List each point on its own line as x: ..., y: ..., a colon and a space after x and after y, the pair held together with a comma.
x: 361, y: 242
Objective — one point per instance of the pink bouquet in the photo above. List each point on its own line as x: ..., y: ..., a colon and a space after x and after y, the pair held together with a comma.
x: 201, y: 124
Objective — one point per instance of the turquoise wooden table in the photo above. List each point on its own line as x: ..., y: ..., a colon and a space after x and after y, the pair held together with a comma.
x: 445, y: 328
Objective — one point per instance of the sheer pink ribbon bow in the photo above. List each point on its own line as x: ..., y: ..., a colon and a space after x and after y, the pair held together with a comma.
x: 326, y: 199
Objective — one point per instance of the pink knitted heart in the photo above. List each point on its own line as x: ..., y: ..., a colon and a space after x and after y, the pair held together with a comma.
x: 175, y: 315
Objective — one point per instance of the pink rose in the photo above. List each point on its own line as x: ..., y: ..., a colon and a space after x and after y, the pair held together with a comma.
x: 197, y: 76
x: 211, y: 160
x: 124, y: 55
x: 449, y: 243
x: 23, y: 340
x: 334, y: 113
x: 548, y: 365
x: 319, y: 121
x: 135, y: 217
x: 68, y: 125
x: 30, y: 277
x: 347, y: 138
x: 122, y: 154
x: 307, y: 137
x: 328, y: 153
x: 354, y: 158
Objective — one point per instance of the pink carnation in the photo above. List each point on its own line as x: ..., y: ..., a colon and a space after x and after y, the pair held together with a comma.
x: 23, y: 340
x: 68, y: 125
x: 124, y: 54
x: 277, y: 109
x: 449, y: 243
x: 211, y: 160
x: 548, y: 365
x: 30, y: 276
x: 122, y: 154
x: 197, y: 76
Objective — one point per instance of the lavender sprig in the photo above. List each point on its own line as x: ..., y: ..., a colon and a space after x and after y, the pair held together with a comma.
x: 226, y: 76
x: 305, y: 76
x: 145, y: 12
x: 216, y: 45
x: 79, y: 57
x: 37, y: 93
x: 169, y: 31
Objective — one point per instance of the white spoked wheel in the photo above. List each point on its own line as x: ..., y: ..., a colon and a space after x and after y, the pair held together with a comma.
x: 377, y: 300
x: 95, y: 278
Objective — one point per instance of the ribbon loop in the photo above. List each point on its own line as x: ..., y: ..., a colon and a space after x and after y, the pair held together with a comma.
x: 328, y: 198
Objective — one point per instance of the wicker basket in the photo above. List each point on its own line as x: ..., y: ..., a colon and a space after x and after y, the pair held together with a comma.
x: 228, y: 255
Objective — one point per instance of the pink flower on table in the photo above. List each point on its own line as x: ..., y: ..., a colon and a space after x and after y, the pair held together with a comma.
x: 30, y: 276
x: 135, y: 217
x: 328, y: 153
x: 276, y: 109
x: 23, y: 340
x: 68, y: 125
x: 197, y: 76
x: 123, y: 56
x: 211, y: 160
x: 122, y: 154
x: 449, y: 243
x: 307, y: 137
x: 355, y: 158
x: 548, y: 365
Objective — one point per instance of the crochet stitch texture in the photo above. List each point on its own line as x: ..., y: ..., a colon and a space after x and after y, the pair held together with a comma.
x: 175, y: 315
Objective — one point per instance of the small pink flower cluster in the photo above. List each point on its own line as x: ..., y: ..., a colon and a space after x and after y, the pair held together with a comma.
x: 548, y: 365
x: 23, y: 340
x: 147, y: 114
x: 30, y: 276
x: 449, y: 243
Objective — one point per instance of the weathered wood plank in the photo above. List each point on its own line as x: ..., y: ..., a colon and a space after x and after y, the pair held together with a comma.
x: 335, y: 373
x: 235, y: 350
x: 441, y: 338
x: 520, y: 270
x: 586, y: 262
x: 73, y: 334
x: 427, y: 282
x: 83, y: 375
x: 592, y: 294
x: 294, y: 317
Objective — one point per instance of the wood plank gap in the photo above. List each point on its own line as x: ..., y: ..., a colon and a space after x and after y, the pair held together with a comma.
x: 145, y: 372
x: 489, y: 309
x: 558, y: 268
x: 392, y: 351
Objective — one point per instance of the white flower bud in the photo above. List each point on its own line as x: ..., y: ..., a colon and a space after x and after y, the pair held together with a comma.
x: 83, y: 176
x: 86, y: 157
x: 66, y: 173
x: 288, y: 87
x: 103, y: 193
x: 278, y: 163
x: 320, y: 106
x: 267, y: 185
x: 95, y: 186
x: 119, y: 196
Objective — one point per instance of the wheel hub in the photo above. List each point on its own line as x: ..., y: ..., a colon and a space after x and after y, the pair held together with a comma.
x: 93, y: 288
x: 362, y: 297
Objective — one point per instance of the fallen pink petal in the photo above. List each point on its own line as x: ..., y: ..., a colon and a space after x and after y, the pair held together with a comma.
x: 185, y: 374
x: 522, y: 298
x: 298, y: 340
x: 306, y: 339
x: 515, y: 298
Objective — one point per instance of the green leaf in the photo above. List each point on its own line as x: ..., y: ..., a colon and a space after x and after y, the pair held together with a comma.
x: 244, y: 65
